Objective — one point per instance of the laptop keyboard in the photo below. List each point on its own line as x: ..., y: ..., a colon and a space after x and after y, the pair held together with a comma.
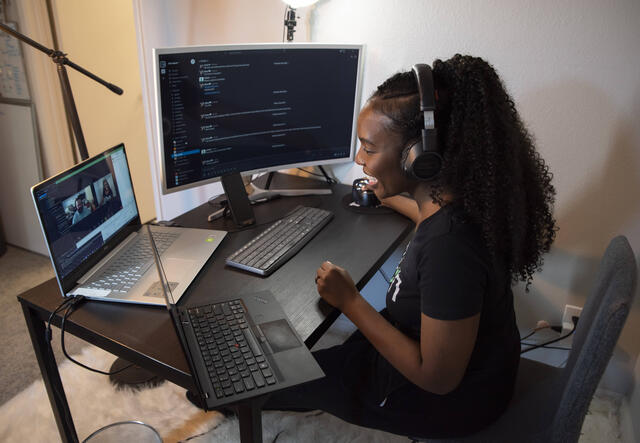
x: 130, y: 265
x: 233, y: 358
x: 278, y: 243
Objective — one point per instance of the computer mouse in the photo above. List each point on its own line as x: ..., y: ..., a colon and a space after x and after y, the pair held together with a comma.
x: 361, y: 196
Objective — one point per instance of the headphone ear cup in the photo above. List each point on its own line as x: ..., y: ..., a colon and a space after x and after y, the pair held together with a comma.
x: 408, y: 156
x: 421, y: 165
x: 427, y: 166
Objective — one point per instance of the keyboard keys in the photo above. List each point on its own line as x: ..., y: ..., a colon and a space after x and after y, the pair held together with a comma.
x: 252, y: 342
x: 274, y: 246
x: 248, y: 383
x: 258, y: 379
x: 231, y: 352
x: 127, y: 268
x: 238, y: 386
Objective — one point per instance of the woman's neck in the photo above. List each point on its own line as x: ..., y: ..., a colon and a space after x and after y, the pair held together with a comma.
x: 426, y: 206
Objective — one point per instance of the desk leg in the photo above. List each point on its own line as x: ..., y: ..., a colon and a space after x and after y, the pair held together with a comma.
x: 51, y: 376
x: 250, y: 418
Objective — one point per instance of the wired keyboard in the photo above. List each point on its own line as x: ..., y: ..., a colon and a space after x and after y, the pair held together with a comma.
x: 278, y: 243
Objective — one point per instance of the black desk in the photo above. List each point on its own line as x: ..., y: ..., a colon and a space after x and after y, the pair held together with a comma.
x: 145, y: 336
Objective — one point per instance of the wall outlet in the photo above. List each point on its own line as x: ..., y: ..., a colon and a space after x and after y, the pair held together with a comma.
x: 569, y: 312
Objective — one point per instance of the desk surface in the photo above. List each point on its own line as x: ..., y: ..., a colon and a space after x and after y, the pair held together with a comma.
x: 145, y: 336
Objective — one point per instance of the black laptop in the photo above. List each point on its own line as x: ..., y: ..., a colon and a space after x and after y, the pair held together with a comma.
x: 239, y: 348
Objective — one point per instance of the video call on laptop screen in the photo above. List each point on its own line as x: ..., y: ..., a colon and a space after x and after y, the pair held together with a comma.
x: 81, y: 209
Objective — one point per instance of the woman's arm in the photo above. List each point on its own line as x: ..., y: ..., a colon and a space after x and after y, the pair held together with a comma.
x: 436, y: 364
x: 404, y: 205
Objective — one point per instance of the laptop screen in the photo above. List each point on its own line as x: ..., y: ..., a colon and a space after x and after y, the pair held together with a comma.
x: 84, y: 207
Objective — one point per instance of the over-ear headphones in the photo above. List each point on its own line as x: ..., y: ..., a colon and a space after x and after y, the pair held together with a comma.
x: 421, y: 159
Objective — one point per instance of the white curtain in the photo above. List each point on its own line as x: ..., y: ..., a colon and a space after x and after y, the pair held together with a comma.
x: 46, y: 95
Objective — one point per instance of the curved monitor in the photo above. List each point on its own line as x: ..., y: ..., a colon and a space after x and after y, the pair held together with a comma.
x: 231, y: 109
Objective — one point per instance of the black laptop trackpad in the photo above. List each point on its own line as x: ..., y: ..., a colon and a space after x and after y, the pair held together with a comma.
x: 279, y: 335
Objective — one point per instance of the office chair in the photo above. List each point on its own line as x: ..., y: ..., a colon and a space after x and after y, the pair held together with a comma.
x: 549, y: 403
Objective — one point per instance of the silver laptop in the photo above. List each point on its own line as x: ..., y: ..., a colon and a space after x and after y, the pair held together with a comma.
x: 90, y: 221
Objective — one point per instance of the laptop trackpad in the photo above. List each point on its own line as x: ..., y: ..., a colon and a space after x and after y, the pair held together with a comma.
x: 279, y: 335
x: 155, y: 289
x: 175, y: 270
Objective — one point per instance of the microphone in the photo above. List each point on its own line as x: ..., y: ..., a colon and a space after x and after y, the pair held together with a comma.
x: 290, y: 23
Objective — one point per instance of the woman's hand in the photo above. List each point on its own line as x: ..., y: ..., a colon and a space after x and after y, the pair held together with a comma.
x: 335, y: 285
x: 371, y: 186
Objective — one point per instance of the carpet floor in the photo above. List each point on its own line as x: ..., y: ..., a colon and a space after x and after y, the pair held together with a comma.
x: 94, y: 403
x: 21, y: 270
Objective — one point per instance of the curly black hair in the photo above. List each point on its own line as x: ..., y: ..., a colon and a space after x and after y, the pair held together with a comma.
x: 490, y: 163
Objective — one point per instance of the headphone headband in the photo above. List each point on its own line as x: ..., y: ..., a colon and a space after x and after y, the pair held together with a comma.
x: 426, y: 89
x: 421, y: 160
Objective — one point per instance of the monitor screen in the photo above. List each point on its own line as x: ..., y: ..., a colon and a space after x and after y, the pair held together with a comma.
x: 251, y: 108
x: 81, y: 209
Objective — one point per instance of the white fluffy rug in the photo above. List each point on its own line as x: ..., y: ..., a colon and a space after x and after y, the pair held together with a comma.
x: 95, y: 403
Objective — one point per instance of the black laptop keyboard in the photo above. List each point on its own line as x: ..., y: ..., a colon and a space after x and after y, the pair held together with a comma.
x: 231, y: 353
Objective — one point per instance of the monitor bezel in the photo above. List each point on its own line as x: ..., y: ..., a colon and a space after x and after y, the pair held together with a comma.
x: 204, y: 48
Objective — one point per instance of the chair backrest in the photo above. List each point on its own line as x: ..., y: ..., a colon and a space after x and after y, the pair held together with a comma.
x: 601, y: 322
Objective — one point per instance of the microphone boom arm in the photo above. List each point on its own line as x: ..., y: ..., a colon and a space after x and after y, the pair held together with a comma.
x: 60, y: 59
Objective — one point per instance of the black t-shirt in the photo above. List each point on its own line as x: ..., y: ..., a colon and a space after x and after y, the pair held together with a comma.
x: 446, y: 273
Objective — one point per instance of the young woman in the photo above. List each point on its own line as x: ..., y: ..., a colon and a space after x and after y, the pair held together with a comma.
x: 107, y: 193
x: 441, y: 359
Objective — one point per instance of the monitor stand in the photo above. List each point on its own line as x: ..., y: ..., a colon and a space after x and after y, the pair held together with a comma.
x: 238, y: 200
x: 239, y: 203
x: 260, y: 194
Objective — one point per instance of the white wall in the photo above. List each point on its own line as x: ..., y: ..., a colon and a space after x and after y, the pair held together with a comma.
x: 46, y: 95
